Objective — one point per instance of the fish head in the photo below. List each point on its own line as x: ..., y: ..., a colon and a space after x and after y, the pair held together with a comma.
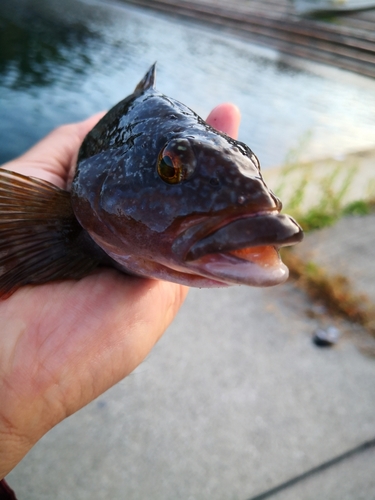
x: 198, y: 212
x: 166, y: 196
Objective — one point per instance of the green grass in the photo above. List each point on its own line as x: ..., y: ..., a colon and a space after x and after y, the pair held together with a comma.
x: 330, y: 204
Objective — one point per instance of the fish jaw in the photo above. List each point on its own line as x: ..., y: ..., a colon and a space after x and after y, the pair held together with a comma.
x: 262, y: 267
x: 243, y: 250
x: 212, y: 251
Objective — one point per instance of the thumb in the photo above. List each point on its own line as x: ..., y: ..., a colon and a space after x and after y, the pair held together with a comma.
x: 225, y: 118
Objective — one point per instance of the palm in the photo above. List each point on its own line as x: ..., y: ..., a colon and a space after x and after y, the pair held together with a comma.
x: 62, y: 344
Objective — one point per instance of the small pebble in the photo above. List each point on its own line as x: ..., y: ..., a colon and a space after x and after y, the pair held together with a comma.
x: 326, y: 337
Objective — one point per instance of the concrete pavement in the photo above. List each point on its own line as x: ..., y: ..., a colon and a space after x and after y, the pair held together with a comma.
x: 234, y: 400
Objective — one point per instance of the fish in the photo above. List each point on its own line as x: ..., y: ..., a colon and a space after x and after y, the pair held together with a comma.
x: 157, y: 193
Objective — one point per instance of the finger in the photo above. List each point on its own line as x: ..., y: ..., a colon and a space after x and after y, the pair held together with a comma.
x: 225, y: 118
x: 63, y: 141
x: 51, y: 158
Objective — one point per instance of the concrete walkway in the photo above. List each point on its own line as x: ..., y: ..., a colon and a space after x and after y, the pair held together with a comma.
x: 233, y: 401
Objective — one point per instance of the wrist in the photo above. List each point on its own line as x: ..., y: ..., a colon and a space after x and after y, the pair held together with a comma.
x: 24, y: 416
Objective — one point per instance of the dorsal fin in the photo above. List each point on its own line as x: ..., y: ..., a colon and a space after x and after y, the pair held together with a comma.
x: 148, y: 81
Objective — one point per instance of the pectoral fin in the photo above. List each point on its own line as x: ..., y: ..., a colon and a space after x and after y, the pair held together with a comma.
x: 40, y: 238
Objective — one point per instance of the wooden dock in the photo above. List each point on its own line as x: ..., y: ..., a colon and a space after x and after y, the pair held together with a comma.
x: 345, y: 40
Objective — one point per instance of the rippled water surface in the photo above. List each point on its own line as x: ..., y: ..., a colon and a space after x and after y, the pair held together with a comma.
x: 62, y: 61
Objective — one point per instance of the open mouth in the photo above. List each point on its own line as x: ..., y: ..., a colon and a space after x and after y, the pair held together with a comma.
x: 245, y: 250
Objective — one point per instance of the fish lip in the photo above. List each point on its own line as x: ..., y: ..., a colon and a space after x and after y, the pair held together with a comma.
x: 228, y: 269
x: 247, y: 231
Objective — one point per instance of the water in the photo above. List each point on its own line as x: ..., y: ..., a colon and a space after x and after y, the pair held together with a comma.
x: 63, y: 61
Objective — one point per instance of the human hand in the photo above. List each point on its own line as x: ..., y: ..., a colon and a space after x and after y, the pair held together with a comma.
x: 63, y: 344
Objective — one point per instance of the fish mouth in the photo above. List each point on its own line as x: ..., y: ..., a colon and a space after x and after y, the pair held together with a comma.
x: 245, y: 250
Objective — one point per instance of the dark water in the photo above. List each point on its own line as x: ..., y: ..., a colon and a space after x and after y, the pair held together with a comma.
x: 62, y: 61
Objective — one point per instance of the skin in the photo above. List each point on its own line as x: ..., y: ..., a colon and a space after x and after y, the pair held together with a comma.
x: 63, y: 344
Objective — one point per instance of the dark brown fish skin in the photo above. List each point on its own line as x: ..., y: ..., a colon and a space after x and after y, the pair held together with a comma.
x: 135, y: 216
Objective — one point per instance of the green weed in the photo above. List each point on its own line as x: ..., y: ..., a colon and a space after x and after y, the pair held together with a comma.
x: 329, y: 203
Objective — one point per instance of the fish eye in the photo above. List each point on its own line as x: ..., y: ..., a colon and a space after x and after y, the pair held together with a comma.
x: 176, y: 161
x: 170, y: 171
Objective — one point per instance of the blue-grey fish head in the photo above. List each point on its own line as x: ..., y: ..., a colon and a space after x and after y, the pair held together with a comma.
x: 167, y: 196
